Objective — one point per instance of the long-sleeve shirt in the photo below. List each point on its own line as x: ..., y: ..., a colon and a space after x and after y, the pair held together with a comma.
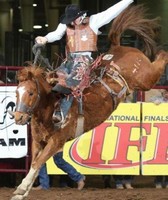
x: 95, y: 21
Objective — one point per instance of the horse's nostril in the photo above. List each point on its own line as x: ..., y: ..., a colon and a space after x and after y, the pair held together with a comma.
x: 21, y: 117
x: 29, y: 119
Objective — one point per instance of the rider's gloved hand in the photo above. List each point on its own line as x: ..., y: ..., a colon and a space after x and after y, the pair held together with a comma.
x: 41, y: 40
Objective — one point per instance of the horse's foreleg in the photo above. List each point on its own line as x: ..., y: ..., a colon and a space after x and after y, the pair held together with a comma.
x: 27, y: 181
x: 23, y: 189
x: 49, y: 150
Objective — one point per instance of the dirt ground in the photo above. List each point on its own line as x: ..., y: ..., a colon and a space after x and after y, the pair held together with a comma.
x: 94, y: 190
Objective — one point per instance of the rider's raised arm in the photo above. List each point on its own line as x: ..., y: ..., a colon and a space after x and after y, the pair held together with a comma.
x: 52, y: 36
x: 100, y: 19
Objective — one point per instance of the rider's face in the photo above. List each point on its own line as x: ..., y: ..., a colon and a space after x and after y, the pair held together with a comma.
x: 76, y: 21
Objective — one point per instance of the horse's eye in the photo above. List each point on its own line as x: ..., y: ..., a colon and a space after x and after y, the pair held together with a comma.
x: 31, y: 93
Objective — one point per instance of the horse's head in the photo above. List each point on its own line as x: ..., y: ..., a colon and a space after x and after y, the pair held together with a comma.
x: 27, y: 95
x: 27, y: 99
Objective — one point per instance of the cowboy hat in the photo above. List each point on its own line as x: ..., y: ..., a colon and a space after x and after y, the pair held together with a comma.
x: 72, y: 12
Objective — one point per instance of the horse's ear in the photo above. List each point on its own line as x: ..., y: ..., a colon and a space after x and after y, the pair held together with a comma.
x: 29, y: 75
x: 23, y: 75
x: 20, y: 76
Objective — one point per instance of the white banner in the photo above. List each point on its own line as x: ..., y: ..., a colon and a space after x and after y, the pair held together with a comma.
x: 13, y: 138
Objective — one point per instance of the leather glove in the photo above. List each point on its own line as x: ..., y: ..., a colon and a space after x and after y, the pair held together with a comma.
x: 41, y: 40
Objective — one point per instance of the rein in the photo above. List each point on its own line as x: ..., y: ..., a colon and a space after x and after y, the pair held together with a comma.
x: 21, y: 107
x: 36, y: 49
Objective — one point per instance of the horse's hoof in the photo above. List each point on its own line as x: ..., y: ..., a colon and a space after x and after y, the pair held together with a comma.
x: 19, y: 191
x: 17, y: 197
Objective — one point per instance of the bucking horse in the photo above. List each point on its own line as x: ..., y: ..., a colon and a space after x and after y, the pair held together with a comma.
x: 121, y: 70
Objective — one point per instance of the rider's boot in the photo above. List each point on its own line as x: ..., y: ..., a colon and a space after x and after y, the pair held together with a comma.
x: 65, y: 104
x: 61, y: 89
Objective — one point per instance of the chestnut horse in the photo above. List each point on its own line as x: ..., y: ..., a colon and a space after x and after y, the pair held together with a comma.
x: 128, y: 70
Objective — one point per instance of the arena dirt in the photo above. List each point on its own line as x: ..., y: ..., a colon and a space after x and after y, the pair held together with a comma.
x: 94, y: 190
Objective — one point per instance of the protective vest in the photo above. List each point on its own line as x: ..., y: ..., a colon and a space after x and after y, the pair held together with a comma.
x: 81, y: 38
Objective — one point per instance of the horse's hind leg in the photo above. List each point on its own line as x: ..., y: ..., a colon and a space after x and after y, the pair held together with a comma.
x: 159, y: 64
x: 151, y: 72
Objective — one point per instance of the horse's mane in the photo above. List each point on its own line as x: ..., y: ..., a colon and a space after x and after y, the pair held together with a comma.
x: 135, y: 18
x: 34, y: 73
x: 30, y: 72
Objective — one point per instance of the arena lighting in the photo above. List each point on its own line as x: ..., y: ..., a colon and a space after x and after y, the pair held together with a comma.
x: 34, y: 5
x: 46, y: 25
x: 20, y: 30
x: 37, y: 26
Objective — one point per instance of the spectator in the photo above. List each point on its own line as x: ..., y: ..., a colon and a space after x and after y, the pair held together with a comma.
x: 160, y: 99
x: 118, y: 181
x: 161, y: 181
x: 107, y: 181
x: 123, y: 181
x: 127, y: 181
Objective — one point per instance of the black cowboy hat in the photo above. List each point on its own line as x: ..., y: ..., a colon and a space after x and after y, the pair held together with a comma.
x: 72, y: 12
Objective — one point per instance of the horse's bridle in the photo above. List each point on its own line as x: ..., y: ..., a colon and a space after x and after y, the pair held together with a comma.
x: 21, y: 107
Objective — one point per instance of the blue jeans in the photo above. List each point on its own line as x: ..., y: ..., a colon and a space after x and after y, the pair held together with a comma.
x: 118, y: 179
x: 66, y: 104
x: 66, y: 167
x: 44, y: 177
x: 161, y: 180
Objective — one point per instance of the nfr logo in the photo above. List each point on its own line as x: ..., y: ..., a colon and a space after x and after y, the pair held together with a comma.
x: 124, y: 145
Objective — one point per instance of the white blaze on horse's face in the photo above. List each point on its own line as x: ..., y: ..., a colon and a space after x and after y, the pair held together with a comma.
x: 21, y: 90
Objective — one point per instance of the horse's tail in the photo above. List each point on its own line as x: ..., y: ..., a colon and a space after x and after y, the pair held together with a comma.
x: 134, y: 18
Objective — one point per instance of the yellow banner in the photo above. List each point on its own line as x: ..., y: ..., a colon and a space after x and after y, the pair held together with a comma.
x: 111, y: 148
x: 133, y: 140
x: 154, y: 139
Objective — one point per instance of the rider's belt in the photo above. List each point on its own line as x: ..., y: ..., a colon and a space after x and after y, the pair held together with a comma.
x: 91, y: 54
